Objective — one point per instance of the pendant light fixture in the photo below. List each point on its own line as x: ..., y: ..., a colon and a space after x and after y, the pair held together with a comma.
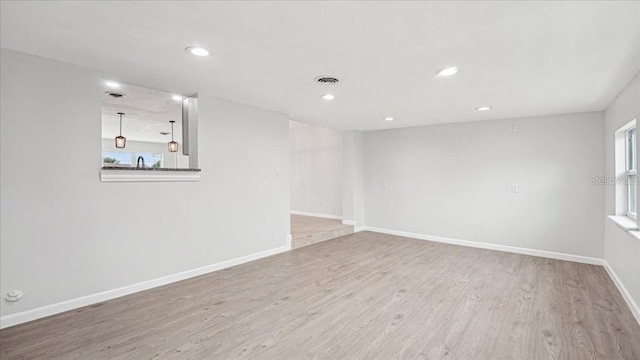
x: 173, y: 146
x: 121, y: 141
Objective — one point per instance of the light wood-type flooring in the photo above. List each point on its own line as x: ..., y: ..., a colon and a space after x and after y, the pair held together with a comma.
x: 361, y: 296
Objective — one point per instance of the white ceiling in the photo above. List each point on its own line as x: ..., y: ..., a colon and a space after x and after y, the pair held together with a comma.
x: 147, y: 113
x: 522, y: 58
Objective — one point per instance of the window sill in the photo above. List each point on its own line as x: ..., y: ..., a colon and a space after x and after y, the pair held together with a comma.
x: 164, y: 175
x: 624, y: 222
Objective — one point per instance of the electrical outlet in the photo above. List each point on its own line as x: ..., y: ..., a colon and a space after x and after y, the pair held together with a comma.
x: 14, y: 295
x: 514, y: 127
x: 514, y: 188
x: 385, y: 185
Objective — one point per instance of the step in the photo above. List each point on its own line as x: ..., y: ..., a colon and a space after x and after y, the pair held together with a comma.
x: 342, y: 230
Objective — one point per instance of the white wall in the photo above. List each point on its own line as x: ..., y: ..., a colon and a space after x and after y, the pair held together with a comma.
x: 455, y: 181
x: 65, y: 235
x: 353, y: 178
x: 316, y: 170
x: 169, y: 158
x: 621, y: 250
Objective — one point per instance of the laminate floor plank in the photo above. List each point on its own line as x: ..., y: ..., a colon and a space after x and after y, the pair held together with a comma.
x: 360, y: 296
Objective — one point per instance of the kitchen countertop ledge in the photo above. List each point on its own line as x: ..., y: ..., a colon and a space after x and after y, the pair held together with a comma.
x: 118, y: 174
x: 146, y: 169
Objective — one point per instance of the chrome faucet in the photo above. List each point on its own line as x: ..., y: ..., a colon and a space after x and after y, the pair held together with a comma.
x: 140, y: 158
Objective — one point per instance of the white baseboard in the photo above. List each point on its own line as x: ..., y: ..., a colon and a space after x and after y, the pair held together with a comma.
x: 326, y: 216
x: 48, y: 310
x: 289, y: 241
x: 623, y: 290
x: 359, y: 228
x: 475, y: 244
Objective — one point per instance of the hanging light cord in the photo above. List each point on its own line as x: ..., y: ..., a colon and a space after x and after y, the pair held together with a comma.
x: 172, y: 131
x: 120, y: 124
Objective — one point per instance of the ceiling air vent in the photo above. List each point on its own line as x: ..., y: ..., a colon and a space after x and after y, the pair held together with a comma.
x: 115, y: 95
x: 327, y: 80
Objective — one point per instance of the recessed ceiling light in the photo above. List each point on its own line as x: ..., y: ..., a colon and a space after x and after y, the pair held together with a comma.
x: 112, y: 84
x: 177, y: 97
x: 483, y: 108
x: 389, y: 119
x: 197, y: 51
x: 328, y: 97
x: 448, y: 71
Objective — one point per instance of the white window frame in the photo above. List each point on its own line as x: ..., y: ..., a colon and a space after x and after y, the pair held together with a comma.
x: 631, y: 169
x: 625, y: 168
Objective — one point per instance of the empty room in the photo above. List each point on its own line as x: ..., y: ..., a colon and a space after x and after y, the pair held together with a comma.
x: 319, y: 180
